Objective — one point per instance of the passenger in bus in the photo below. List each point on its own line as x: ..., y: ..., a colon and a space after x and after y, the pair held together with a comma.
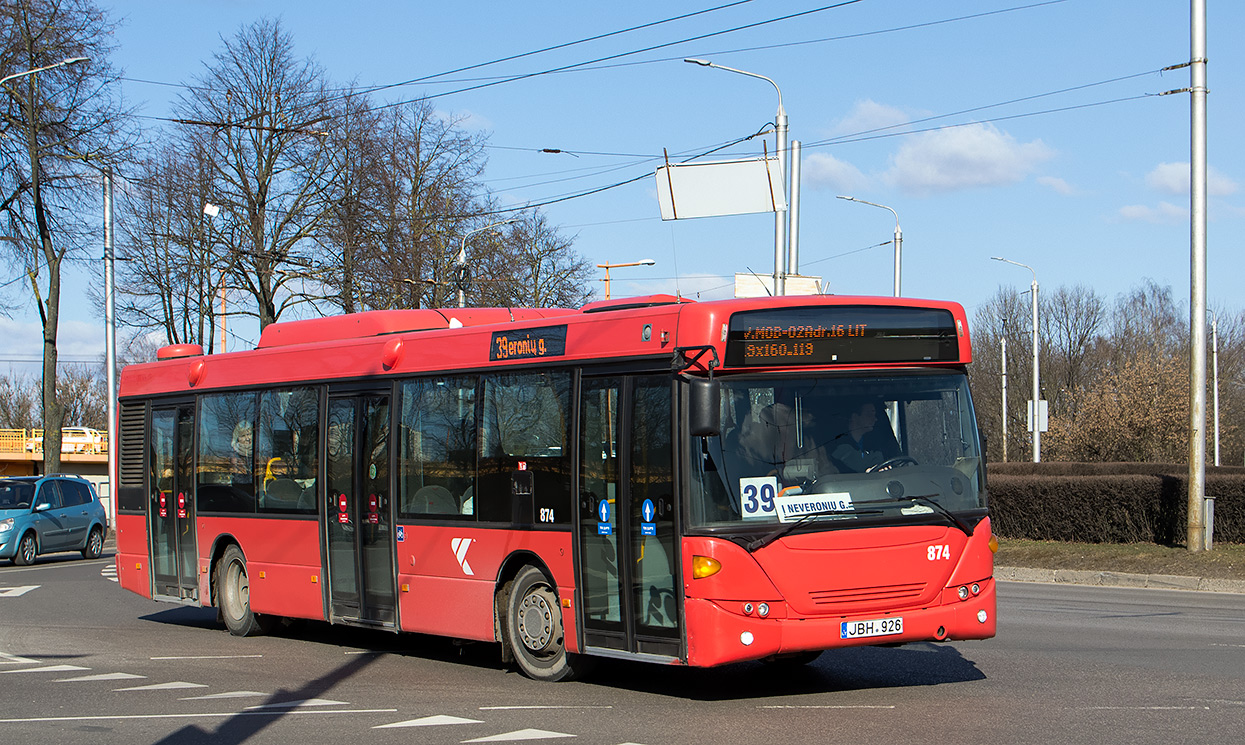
x: 866, y: 441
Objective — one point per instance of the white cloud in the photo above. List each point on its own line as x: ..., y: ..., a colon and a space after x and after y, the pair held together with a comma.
x: 465, y: 119
x: 978, y: 155
x: 824, y: 171
x: 1164, y: 213
x: 1173, y: 178
x: 867, y: 116
x: 1057, y: 185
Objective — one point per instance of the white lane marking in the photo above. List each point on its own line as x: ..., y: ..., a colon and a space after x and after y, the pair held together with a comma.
x: 16, y: 592
x: 12, y: 659
x: 48, y: 669
x: 1140, y: 708
x: 230, y: 694
x: 300, y: 704
x: 211, y: 657
x: 432, y: 721
x: 175, y: 685
x: 522, y: 734
x: 109, y: 572
x: 101, y: 676
x: 827, y: 706
x: 217, y: 715
x: 542, y: 706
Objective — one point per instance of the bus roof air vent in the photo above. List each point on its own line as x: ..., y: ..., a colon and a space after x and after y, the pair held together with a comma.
x: 629, y: 303
x: 177, y: 351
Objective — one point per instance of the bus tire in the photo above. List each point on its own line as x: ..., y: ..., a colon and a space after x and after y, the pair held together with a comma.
x: 27, y: 550
x: 233, y: 594
x: 534, y: 629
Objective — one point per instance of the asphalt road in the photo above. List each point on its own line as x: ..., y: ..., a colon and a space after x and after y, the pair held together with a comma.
x: 82, y: 661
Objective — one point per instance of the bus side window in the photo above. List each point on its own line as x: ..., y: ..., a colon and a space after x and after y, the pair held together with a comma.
x: 226, y: 456
x: 526, y: 419
x: 437, y: 447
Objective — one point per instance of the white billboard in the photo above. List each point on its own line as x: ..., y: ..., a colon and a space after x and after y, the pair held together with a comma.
x: 725, y: 187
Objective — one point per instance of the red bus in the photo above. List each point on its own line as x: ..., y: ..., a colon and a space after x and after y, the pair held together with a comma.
x: 690, y: 483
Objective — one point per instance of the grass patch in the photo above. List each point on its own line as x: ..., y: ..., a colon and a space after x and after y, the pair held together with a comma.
x: 1225, y: 561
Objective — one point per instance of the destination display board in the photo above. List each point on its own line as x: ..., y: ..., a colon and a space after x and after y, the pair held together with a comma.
x: 519, y: 344
x: 840, y: 335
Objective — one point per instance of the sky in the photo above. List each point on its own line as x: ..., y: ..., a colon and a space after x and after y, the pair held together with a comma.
x: 1018, y: 128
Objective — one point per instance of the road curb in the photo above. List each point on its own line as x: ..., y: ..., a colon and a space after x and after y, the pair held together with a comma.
x: 1118, y: 579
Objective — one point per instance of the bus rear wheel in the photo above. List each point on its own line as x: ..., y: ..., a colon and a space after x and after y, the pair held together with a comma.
x: 233, y: 595
x: 535, y: 632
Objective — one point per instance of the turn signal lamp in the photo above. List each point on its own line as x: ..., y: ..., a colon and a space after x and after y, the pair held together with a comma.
x: 703, y: 566
x: 994, y: 545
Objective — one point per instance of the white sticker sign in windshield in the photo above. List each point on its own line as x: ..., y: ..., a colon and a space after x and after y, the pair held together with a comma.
x: 793, y: 507
x: 756, y: 496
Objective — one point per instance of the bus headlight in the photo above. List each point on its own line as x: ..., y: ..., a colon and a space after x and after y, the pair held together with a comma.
x: 703, y: 566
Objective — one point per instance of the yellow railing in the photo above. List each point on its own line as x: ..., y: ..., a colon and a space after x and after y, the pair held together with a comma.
x: 73, y: 440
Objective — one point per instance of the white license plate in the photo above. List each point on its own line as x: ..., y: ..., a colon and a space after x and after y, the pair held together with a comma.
x: 870, y: 627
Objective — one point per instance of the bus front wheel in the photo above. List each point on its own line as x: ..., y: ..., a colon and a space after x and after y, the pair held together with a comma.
x: 535, y: 632
x: 233, y: 595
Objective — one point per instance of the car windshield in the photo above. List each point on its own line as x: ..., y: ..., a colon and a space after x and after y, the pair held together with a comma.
x: 845, y: 448
x: 15, y: 495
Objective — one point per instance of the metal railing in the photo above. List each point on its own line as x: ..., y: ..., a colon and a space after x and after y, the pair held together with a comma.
x: 73, y: 440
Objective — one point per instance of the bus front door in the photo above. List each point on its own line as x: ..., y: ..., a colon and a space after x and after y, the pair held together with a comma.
x: 170, y: 505
x: 358, y: 518
x: 627, y: 530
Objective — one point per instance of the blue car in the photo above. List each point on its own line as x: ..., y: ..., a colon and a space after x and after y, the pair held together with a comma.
x: 46, y: 514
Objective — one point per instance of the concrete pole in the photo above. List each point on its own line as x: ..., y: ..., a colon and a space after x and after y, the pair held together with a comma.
x: 793, y: 230
x: 780, y: 217
x: 1003, y: 344
x: 1198, y: 529
x: 1214, y: 365
x: 1037, y: 388
x: 110, y: 344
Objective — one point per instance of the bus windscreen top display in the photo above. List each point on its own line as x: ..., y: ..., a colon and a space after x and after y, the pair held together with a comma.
x: 840, y: 335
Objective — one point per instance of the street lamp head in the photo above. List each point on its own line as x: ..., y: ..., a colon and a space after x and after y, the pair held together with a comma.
x: 75, y: 60
x: 211, y: 210
x: 647, y: 262
x: 701, y: 62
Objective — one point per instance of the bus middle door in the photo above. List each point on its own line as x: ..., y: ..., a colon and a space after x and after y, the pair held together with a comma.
x: 627, y: 529
x: 358, y: 516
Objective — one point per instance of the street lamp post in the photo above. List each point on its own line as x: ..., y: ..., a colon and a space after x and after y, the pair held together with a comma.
x: 461, y: 262
x: 1037, y: 390
x: 780, y: 217
x: 898, y: 239
x: 1003, y: 353
x: 62, y: 63
x: 608, y: 266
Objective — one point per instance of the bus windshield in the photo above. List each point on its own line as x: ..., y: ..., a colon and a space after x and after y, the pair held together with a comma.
x: 835, y: 451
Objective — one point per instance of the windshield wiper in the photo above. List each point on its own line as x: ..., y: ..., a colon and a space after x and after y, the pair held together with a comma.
x: 768, y: 538
x: 928, y: 500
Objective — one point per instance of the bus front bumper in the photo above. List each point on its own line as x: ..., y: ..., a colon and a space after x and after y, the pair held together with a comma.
x: 718, y: 632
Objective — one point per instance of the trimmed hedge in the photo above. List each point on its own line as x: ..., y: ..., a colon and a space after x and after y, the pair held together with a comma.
x: 1109, y: 502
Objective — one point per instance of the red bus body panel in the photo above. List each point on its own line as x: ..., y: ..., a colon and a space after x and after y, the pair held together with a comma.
x: 282, y: 562
x: 437, y: 595
x: 133, y: 570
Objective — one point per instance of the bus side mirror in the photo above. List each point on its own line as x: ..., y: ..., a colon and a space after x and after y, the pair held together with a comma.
x: 705, y: 408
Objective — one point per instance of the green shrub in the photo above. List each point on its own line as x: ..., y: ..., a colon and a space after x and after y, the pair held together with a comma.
x: 1109, y: 502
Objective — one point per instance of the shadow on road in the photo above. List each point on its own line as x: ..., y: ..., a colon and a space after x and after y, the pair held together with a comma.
x: 855, y: 668
x: 242, y: 726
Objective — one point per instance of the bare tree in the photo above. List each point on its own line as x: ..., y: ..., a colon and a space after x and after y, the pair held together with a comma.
x: 54, y: 120
x: 259, y: 114
x: 173, y: 265
x: 534, y: 265
x: 1072, y: 321
x: 19, y: 401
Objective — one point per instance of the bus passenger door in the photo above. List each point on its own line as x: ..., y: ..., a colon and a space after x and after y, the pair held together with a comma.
x: 627, y: 531
x: 358, y: 515
x: 170, y: 504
